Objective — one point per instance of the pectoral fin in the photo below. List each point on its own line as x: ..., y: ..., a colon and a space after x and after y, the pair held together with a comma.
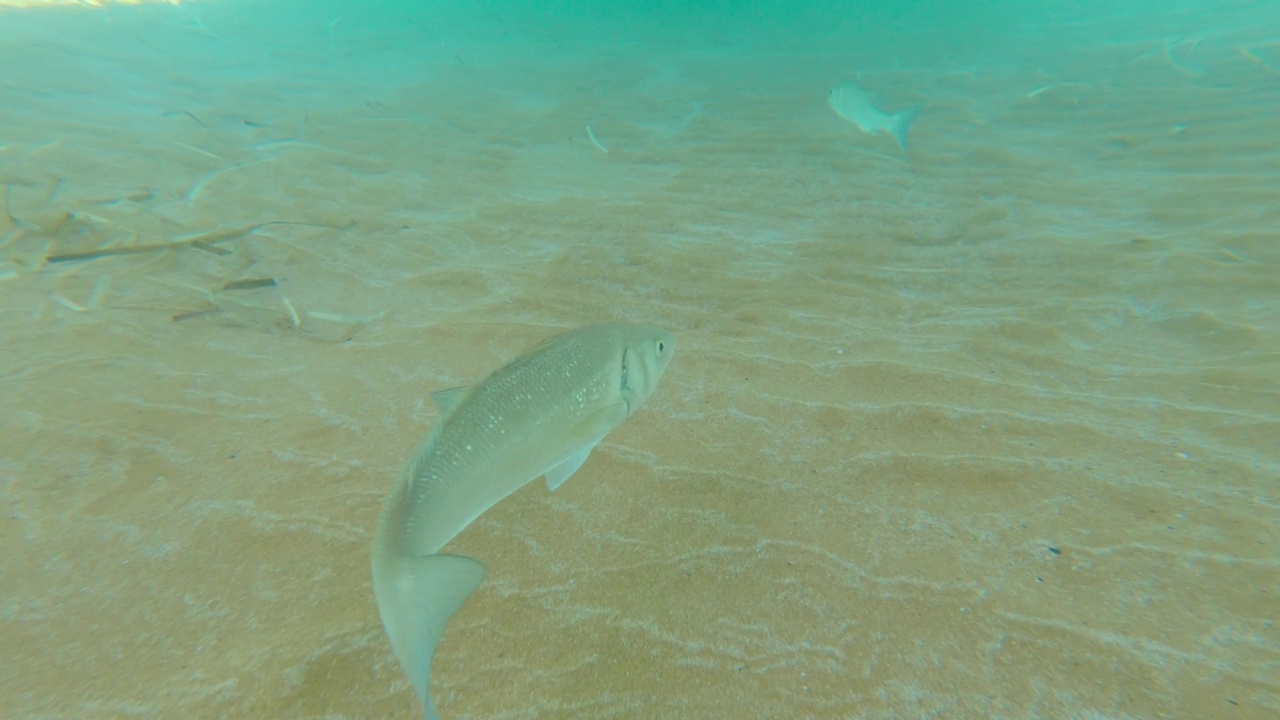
x: 594, y: 427
x: 558, y: 474
x: 427, y: 592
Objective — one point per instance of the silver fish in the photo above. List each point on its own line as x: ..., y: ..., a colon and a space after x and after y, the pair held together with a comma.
x: 855, y: 104
x: 540, y: 415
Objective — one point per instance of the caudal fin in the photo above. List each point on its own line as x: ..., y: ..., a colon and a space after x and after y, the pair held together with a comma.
x: 416, y: 597
x: 901, y: 124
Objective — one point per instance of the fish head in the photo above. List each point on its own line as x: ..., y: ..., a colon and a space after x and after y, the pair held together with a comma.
x: 646, y: 352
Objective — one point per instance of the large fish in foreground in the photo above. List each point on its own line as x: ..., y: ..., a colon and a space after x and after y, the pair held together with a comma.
x: 540, y: 415
x: 855, y: 104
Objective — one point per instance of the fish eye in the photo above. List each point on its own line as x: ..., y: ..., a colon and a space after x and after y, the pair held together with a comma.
x: 661, y: 346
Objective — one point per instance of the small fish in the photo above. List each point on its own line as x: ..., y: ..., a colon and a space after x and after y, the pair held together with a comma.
x: 853, y: 103
x: 539, y: 415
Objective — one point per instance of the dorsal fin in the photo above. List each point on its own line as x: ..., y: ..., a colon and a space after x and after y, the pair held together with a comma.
x: 449, y: 400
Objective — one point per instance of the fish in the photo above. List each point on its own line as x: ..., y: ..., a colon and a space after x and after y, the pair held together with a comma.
x: 855, y: 104
x: 538, y: 416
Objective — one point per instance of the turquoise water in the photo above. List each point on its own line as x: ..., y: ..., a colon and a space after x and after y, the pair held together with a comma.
x: 974, y: 412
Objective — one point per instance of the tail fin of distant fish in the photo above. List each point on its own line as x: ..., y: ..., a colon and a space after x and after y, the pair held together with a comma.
x: 901, y: 124
x: 422, y: 593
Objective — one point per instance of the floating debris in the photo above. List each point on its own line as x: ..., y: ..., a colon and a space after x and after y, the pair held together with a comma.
x: 249, y: 284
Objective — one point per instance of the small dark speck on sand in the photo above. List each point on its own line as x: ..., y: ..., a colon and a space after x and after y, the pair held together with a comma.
x: 1055, y: 549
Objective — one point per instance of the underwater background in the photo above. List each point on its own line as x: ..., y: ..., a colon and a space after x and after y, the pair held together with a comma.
x: 985, y: 428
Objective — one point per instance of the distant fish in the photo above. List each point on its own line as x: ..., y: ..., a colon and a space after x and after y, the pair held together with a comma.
x: 539, y: 415
x: 853, y: 103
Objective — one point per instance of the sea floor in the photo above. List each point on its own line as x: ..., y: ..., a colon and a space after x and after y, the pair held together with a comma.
x: 987, y: 430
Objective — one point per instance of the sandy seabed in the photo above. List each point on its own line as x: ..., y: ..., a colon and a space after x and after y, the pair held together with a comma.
x: 991, y: 430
